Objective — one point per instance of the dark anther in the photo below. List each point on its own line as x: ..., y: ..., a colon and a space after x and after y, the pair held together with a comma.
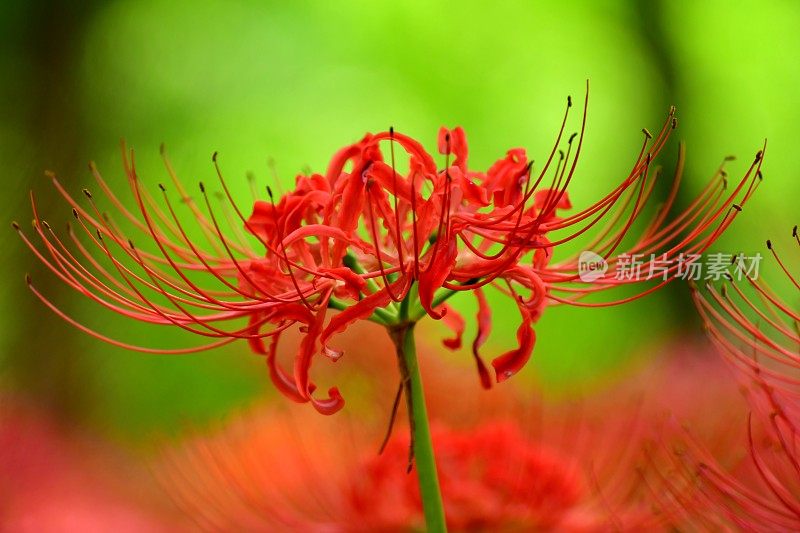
x: 571, y: 137
x: 214, y: 157
x: 769, y: 244
x: 74, y: 212
x: 647, y: 133
x: 87, y: 193
x: 569, y: 101
x: 15, y: 225
x: 736, y: 206
x: 161, y: 186
x: 202, y: 187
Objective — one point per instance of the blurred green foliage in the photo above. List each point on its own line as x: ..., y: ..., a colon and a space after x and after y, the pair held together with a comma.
x: 296, y: 81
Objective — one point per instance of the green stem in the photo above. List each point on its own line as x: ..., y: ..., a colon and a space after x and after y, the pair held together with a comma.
x: 422, y: 447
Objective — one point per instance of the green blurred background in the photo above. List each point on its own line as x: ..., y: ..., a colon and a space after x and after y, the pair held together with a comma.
x: 294, y: 81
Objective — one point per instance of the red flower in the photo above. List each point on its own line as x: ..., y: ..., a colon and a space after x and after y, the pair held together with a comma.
x: 585, y: 466
x: 376, y: 242
x: 756, y: 330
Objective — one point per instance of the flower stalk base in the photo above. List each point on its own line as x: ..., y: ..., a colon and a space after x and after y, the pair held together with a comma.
x: 421, y: 450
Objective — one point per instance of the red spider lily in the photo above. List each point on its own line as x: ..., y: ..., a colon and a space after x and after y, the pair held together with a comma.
x: 758, y: 333
x: 755, y: 328
x: 376, y: 242
x: 572, y: 467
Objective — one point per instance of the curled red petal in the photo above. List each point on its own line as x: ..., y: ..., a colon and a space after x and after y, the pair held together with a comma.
x: 263, y: 212
x: 293, y: 311
x: 297, y: 387
x: 454, y: 321
x: 307, y: 350
x: 457, y: 145
x: 361, y: 309
x: 420, y: 158
x: 318, y: 230
x: 353, y: 283
x: 263, y: 221
x: 542, y: 196
x: 458, y: 142
x: 330, y: 405
x: 341, y: 158
x: 484, y: 320
x: 353, y: 198
x: 256, y: 343
x: 315, y: 182
x: 543, y: 253
x: 435, y: 275
x: 512, y: 361
x: 525, y: 276
x: 470, y: 191
x: 283, y: 382
x: 503, y: 179
x: 391, y: 181
x: 443, y: 140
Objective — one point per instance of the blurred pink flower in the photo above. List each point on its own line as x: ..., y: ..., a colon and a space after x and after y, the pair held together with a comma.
x: 51, y: 481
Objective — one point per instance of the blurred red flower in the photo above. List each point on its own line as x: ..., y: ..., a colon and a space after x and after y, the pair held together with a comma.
x: 757, y: 331
x: 506, y: 462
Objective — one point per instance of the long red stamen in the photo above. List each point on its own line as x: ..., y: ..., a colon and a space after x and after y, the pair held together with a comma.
x: 783, y: 266
x: 398, y: 230
x: 286, y: 257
